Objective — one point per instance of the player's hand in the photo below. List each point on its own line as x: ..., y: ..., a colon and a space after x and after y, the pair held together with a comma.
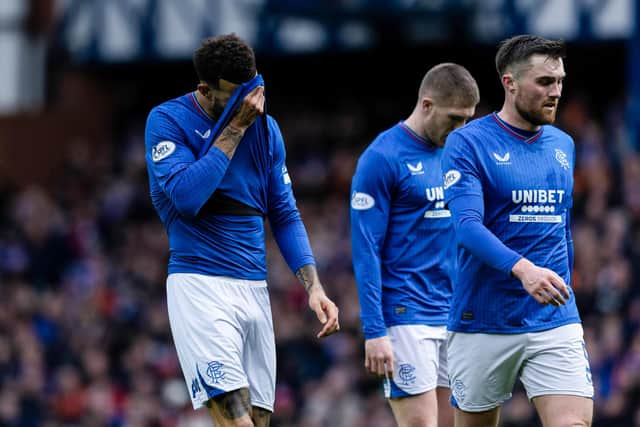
x: 325, y: 309
x: 544, y: 285
x: 252, y: 105
x: 378, y: 356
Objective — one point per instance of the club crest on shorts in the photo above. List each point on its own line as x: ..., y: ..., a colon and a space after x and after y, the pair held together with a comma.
x: 215, y: 372
x: 458, y: 390
x: 407, y: 374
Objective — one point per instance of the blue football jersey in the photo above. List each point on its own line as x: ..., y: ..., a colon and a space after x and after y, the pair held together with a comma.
x: 184, y: 173
x: 525, y: 184
x: 402, y: 237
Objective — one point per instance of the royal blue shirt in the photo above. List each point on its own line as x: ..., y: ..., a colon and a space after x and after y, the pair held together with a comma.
x: 401, y: 234
x: 509, y: 195
x: 185, y: 169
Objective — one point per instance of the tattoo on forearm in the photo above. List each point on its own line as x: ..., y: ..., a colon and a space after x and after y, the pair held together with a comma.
x: 234, y: 404
x: 306, y: 275
x: 228, y: 140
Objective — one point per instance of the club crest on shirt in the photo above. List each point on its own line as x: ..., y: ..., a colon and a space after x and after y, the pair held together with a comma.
x: 362, y: 201
x: 451, y: 177
x: 162, y: 150
x: 561, y: 157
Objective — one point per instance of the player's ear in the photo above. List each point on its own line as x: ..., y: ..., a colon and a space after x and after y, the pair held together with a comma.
x: 509, y: 82
x: 204, y: 89
x: 427, y: 104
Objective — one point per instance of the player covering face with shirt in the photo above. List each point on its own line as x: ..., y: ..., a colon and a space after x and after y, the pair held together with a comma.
x: 217, y: 170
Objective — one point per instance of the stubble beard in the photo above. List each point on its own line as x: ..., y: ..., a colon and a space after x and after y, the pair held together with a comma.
x: 536, y: 117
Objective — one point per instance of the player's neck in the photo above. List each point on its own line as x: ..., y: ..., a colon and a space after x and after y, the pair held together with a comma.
x: 510, y: 115
x: 413, y: 123
x: 203, y: 102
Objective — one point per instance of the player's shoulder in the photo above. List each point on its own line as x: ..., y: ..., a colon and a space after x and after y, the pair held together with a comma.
x: 272, y: 123
x: 558, y: 133
x: 172, y: 108
x: 383, y: 143
x: 475, y: 129
x: 381, y: 150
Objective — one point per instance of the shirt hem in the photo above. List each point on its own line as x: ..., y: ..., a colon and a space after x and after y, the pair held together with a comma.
x: 205, y: 272
x: 501, y: 331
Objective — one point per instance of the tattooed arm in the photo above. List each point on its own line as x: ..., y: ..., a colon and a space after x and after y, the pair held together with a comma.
x: 229, y: 139
x: 324, y: 308
x: 251, y: 107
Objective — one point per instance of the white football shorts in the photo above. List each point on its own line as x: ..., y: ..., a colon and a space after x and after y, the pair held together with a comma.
x: 483, y: 368
x: 420, y: 360
x: 223, y: 333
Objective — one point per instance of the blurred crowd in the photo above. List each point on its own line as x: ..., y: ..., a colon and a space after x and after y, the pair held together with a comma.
x: 84, y: 333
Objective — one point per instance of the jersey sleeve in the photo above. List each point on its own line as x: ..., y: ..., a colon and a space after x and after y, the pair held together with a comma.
x: 284, y: 217
x: 371, y: 192
x: 461, y: 174
x: 188, y: 183
x: 463, y: 195
x: 568, y: 235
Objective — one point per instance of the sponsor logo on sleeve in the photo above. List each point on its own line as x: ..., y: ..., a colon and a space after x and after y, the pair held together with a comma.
x: 162, y: 150
x: 451, y: 177
x: 362, y: 201
x: 286, y: 179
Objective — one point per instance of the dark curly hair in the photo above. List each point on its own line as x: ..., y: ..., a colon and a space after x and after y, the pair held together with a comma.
x: 225, y: 57
x: 518, y: 49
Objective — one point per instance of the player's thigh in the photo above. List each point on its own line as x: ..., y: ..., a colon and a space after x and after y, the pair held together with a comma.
x: 416, y: 411
x: 557, y: 370
x: 419, y: 360
x: 231, y: 409
x: 260, y: 353
x: 208, y: 334
x: 483, y: 369
x: 564, y: 410
x: 557, y: 363
x: 445, y: 410
x: 476, y: 419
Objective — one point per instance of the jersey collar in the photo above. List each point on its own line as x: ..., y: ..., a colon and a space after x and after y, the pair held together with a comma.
x: 526, y: 139
x: 423, y: 141
x: 198, y: 107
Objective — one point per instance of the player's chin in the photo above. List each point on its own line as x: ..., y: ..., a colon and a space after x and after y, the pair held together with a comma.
x: 547, y: 115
